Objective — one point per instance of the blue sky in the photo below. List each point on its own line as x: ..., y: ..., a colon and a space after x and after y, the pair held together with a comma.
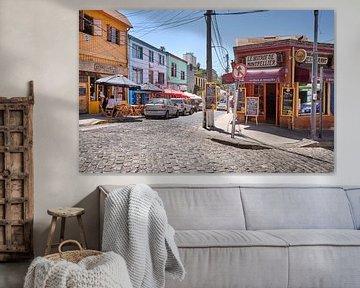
x: 181, y: 31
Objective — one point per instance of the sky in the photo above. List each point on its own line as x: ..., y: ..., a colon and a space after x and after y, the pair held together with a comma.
x: 181, y: 31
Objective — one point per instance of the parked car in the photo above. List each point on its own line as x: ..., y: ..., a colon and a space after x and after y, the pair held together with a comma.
x: 222, y: 106
x: 184, y: 107
x: 161, y: 107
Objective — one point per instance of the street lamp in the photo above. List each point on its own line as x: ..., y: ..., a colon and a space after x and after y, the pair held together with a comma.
x: 227, y: 57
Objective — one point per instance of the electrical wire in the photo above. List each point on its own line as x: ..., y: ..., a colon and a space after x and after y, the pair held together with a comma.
x: 130, y: 47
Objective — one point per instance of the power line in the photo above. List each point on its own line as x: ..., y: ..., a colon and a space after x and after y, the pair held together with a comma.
x: 239, y: 13
x: 128, y: 44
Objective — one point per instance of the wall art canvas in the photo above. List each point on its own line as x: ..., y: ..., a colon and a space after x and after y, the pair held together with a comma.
x: 206, y: 91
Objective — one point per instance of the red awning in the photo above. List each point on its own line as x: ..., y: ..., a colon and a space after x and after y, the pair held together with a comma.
x: 271, y: 75
x: 304, y: 75
x: 171, y: 93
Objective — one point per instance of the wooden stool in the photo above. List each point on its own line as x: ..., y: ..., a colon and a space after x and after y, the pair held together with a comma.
x: 64, y: 213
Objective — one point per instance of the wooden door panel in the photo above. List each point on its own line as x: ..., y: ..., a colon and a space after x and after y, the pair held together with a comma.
x: 16, y: 177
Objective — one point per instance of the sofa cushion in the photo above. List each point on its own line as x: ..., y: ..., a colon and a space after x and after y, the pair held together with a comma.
x: 226, y: 238
x: 203, y: 208
x: 317, y: 237
x: 199, y: 207
x: 296, y: 208
x: 224, y: 267
x: 354, y: 198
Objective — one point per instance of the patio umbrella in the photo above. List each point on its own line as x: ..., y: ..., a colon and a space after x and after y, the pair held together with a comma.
x: 148, y: 87
x: 117, y: 80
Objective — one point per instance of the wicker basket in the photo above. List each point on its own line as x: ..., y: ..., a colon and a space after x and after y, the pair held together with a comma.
x: 72, y: 256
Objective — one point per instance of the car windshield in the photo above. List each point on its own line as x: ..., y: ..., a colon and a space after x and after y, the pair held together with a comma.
x: 157, y: 101
x: 176, y: 100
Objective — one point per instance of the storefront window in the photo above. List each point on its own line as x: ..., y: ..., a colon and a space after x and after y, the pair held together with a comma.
x: 259, y: 92
x: 305, y: 99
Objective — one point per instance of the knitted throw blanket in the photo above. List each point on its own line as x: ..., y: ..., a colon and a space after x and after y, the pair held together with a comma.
x: 102, y: 271
x: 136, y: 227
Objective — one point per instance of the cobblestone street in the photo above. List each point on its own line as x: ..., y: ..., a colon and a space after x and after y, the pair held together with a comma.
x: 180, y: 145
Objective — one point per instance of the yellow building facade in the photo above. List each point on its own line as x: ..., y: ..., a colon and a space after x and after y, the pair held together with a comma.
x: 103, y: 51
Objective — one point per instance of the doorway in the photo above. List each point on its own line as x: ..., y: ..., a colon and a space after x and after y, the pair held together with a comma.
x: 271, y: 103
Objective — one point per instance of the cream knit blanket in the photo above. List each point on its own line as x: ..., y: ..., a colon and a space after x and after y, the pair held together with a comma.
x: 136, y: 227
x: 107, y: 270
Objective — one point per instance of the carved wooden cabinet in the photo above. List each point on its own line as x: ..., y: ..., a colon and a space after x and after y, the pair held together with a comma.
x: 16, y: 177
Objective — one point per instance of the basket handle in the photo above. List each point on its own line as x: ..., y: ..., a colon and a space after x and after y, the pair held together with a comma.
x: 69, y: 241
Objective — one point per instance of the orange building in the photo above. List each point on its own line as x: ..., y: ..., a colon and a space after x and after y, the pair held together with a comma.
x: 103, y: 51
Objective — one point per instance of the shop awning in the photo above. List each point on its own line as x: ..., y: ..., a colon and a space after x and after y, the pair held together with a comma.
x: 271, y: 75
x: 304, y: 75
x: 173, y: 93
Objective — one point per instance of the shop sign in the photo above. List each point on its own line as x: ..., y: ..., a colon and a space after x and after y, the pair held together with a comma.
x: 101, y: 68
x: 263, y: 60
x: 321, y: 60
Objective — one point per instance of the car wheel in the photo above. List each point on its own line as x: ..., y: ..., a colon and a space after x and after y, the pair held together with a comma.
x: 177, y: 114
x: 166, y: 115
x: 191, y: 111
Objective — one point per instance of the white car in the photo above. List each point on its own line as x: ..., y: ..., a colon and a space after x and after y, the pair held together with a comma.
x: 184, y: 107
x: 161, y: 107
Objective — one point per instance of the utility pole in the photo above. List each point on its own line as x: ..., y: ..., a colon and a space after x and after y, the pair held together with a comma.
x: 314, y: 76
x: 208, y: 64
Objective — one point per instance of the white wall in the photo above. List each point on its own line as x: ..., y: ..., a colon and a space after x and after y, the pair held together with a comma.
x: 39, y: 41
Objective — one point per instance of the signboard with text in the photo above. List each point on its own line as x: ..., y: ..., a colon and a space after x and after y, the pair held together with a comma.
x: 241, y: 100
x: 262, y: 60
x: 211, y: 95
x: 287, y: 101
x: 252, y: 106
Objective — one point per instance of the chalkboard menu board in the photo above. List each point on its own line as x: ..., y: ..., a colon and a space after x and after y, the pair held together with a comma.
x: 210, y: 95
x: 241, y: 99
x: 251, y: 106
x: 287, y: 101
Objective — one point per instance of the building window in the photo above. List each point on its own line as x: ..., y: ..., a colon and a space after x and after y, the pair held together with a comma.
x: 151, y: 76
x: 305, y: 99
x: 161, y: 59
x: 137, y: 51
x: 113, y: 35
x: 86, y: 23
x: 182, y: 75
x: 161, y: 78
x: 173, y: 69
x: 138, y: 75
x: 151, y: 56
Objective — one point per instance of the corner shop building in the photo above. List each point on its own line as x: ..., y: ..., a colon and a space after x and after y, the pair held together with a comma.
x: 279, y: 72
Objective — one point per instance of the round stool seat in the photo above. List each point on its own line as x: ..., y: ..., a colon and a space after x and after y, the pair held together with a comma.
x: 66, y: 211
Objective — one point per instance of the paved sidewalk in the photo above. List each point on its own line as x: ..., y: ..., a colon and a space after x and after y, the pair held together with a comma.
x: 267, y: 135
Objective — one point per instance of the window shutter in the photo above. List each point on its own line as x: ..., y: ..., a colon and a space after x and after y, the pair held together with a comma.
x: 118, y: 37
x: 81, y: 21
x: 97, y: 27
x: 122, y: 38
x: 108, y: 33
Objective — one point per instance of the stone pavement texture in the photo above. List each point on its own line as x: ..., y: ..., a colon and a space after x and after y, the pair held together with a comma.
x: 180, y: 145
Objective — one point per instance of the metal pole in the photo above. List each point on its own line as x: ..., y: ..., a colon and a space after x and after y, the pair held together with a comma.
x: 314, y: 76
x: 235, y: 109
x: 208, y: 60
x: 321, y: 100
x: 208, y: 65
